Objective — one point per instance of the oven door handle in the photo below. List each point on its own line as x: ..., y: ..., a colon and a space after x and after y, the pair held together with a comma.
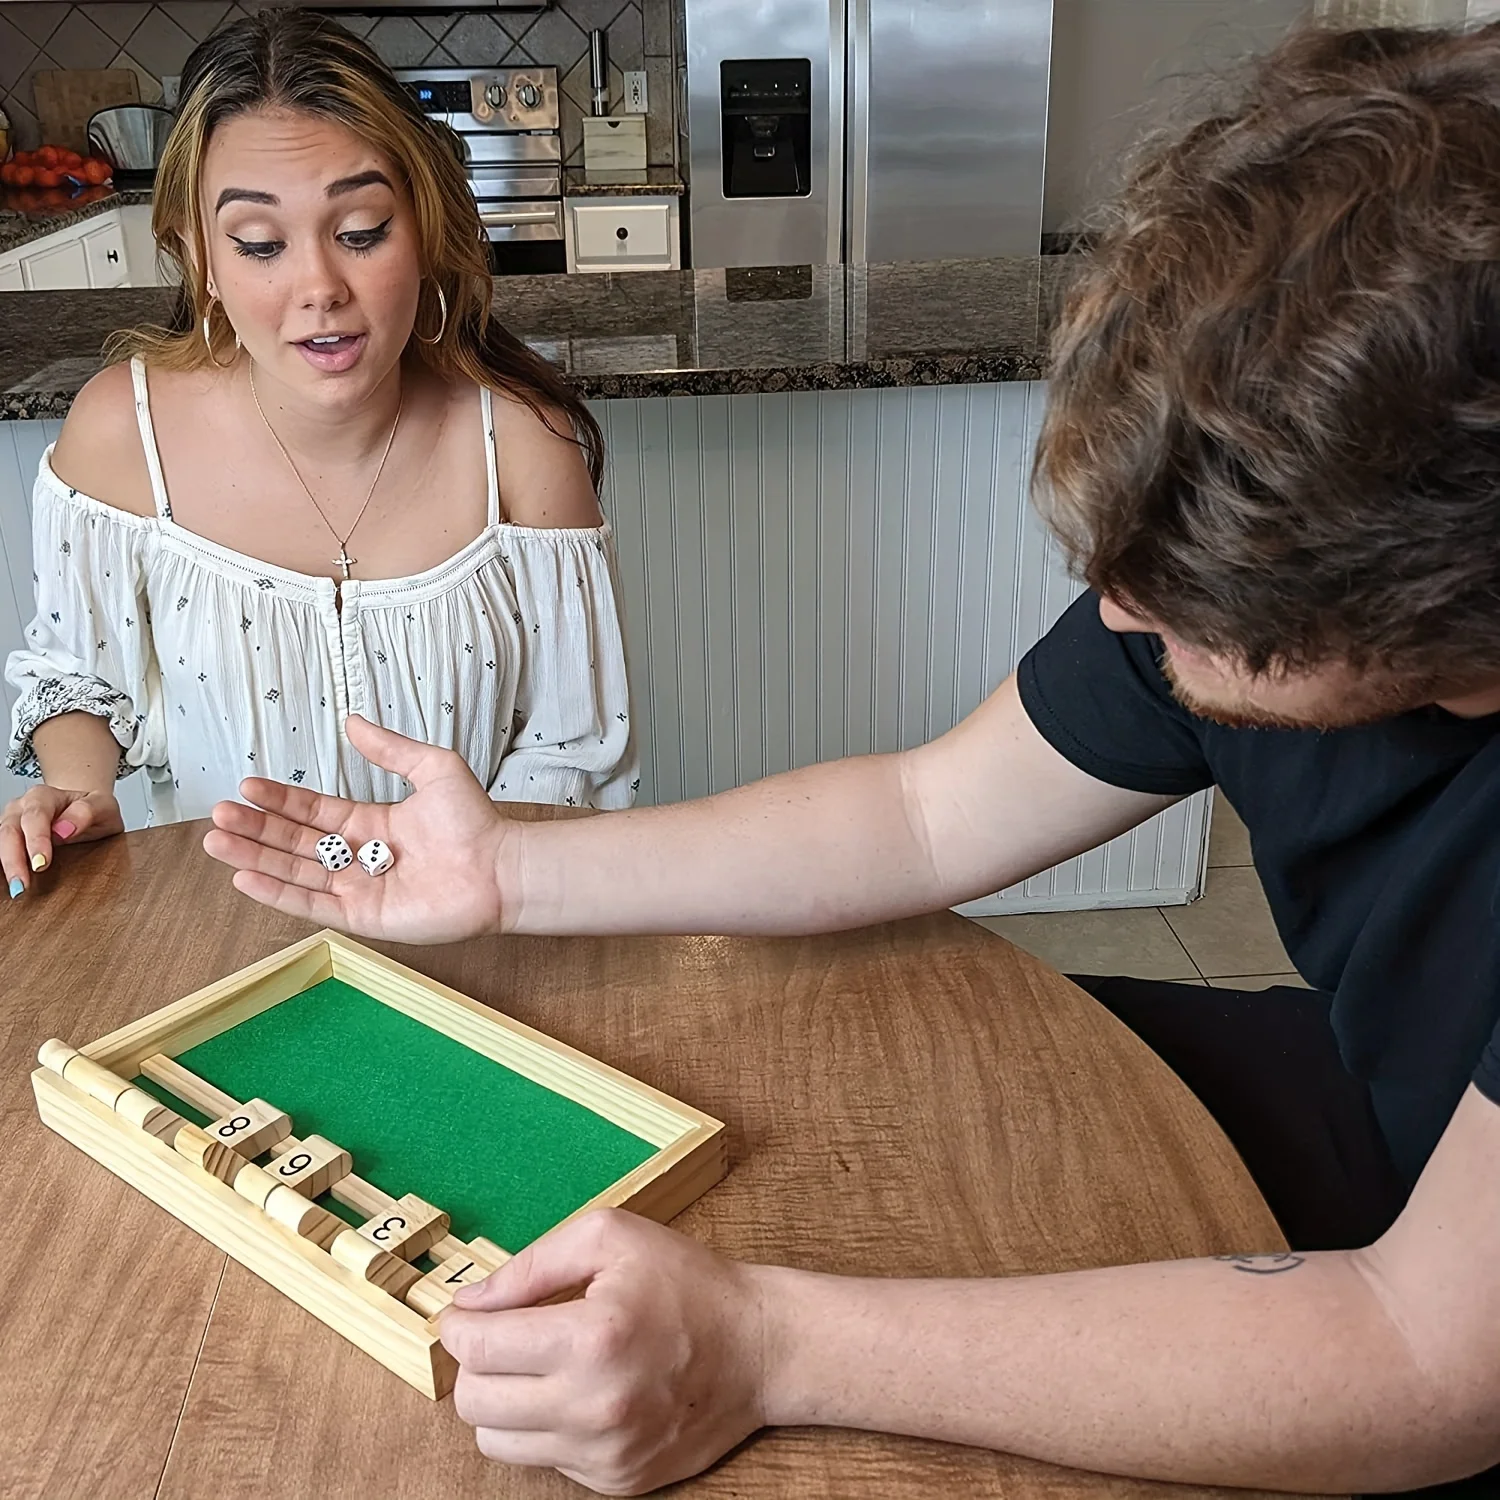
x: 500, y: 219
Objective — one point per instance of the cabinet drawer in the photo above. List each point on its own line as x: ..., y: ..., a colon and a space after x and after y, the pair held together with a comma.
x: 605, y: 232
x: 59, y: 268
x: 104, y: 251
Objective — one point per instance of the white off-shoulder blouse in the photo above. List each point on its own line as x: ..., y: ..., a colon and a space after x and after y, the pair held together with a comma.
x: 210, y: 666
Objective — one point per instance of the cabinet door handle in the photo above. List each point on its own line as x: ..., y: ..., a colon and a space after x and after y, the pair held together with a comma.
x: 112, y: 256
x: 622, y: 233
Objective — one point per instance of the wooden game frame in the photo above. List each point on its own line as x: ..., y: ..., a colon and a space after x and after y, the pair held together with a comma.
x: 690, y: 1157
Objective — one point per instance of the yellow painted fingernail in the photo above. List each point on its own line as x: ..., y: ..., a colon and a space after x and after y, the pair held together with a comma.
x: 38, y: 861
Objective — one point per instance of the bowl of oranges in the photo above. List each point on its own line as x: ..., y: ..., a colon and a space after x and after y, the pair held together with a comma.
x: 53, y: 177
x: 55, y: 166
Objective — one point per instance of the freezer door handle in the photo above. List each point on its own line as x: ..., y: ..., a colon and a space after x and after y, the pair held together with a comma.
x: 857, y: 145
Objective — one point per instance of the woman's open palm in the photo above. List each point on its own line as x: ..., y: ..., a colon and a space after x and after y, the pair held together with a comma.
x: 445, y: 837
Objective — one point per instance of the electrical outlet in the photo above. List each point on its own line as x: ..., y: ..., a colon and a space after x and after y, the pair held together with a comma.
x: 635, y: 93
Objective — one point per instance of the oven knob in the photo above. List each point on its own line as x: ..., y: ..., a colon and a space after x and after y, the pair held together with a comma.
x: 494, y: 95
x: 529, y: 95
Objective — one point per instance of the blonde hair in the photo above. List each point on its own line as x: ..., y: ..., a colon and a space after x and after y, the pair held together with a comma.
x: 295, y: 60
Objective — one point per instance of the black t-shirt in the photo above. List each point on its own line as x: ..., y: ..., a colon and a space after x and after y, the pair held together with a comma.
x: 1379, y: 850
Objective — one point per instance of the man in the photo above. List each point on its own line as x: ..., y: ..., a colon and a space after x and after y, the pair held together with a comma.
x: 1274, y: 448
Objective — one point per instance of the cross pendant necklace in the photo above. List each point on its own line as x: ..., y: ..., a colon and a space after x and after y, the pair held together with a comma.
x: 343, y: 560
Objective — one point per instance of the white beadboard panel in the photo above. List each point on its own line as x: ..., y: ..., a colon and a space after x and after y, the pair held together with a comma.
x: 821, y: 574
x: 21, y: 447
x: 804, y: 576
x: 16, y: 472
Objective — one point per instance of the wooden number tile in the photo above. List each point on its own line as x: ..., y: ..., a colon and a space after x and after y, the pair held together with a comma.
x: 253, y: 1127
x: 311, y: 1166
x: 408, y: 1230
x: 435, y: 1290
x: 255, y: 1183
x: 303, y: 1217
x: 82, y: 1072
x: 488, y: 1253
x: 56, y: 1054
x: 137, y: 1106
x: 367, y: 1260
x: 290, y: 1210
x: 200, y: 1148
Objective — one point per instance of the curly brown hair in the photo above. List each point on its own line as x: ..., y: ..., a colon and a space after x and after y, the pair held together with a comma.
x: 1274, y: 422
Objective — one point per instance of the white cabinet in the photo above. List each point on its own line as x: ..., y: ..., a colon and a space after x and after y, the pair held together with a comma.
x: 56, y: 267
x: 109, y: 250
x: 104, y: 251
x: 623, y: 234
x: 147, y: 267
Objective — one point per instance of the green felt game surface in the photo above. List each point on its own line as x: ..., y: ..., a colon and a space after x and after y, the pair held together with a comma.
x: 418, y: 1112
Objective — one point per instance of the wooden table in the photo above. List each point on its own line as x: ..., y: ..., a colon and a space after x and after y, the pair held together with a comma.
x: 920, y: 1099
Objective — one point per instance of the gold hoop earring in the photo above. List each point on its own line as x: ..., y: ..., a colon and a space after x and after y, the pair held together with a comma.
x: 437, y: 338
x: 208, y: 340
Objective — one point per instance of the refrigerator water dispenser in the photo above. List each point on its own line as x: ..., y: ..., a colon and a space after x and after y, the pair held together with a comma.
x: 766, y: 108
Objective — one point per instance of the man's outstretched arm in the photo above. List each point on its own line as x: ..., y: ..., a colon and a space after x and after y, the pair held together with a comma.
x: 835, y: 845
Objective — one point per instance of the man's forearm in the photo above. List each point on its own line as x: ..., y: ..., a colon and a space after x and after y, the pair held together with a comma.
x: 1278, y: 1372
x: 77, y: 752
x: 836, y: 845
x: 810, y: 851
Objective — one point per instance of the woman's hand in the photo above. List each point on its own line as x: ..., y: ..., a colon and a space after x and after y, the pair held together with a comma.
x: 650, y: 1376
x: 446, y: 838
x: 48, y: 815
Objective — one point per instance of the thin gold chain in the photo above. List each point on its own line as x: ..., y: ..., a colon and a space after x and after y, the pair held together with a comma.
x: 343, y: 560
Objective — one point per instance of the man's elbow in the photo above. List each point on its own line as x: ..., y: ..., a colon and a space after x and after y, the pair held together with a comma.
x: 1443, y: 1421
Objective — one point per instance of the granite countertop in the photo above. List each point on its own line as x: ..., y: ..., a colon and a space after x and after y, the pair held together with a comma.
x: 20, y: 225
x: 648, y: 182
x: 659, y: 333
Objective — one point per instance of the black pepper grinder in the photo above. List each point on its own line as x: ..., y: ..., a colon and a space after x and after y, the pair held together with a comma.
x: 599, y: 70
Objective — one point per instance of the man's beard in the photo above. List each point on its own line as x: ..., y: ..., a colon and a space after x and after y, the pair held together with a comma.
x: 1373, y: 700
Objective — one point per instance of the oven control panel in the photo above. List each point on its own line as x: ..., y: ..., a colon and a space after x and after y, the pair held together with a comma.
x: 499, y: 100
x: 440, y: 97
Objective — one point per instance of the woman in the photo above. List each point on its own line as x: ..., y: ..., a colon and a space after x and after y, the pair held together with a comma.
x: 334, y: 485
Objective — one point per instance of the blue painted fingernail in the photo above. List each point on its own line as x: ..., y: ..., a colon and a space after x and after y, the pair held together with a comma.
x: 16, y: 887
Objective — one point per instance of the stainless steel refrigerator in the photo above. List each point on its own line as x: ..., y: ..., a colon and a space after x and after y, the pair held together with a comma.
x: 865, y: 130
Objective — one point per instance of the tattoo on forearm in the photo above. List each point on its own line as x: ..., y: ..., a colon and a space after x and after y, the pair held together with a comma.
x: 1265, y: 1265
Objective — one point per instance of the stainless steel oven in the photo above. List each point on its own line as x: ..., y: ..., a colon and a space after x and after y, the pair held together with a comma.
x: 506, y: 123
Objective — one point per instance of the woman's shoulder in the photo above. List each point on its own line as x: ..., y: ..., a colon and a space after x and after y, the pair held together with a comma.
x: 544, y: 476
x: 99, y: 451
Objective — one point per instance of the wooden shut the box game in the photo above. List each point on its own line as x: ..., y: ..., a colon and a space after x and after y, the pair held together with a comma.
x: 368, y: 1140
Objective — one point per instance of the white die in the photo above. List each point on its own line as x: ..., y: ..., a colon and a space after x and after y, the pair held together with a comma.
x: 333, y: 853
x: 375, y: 858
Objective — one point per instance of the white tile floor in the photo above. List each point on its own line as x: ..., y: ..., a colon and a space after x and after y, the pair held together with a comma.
x: 1226, y: 939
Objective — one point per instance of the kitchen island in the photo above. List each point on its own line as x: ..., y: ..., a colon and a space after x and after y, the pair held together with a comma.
x: 25, y: 218
x: 98, y: 238
x: 818, y: 481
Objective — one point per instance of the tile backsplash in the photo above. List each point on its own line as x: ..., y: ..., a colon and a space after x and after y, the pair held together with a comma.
x: 154, y: 41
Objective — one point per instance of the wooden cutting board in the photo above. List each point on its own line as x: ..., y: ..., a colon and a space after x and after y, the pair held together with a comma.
x: 67, y: 97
